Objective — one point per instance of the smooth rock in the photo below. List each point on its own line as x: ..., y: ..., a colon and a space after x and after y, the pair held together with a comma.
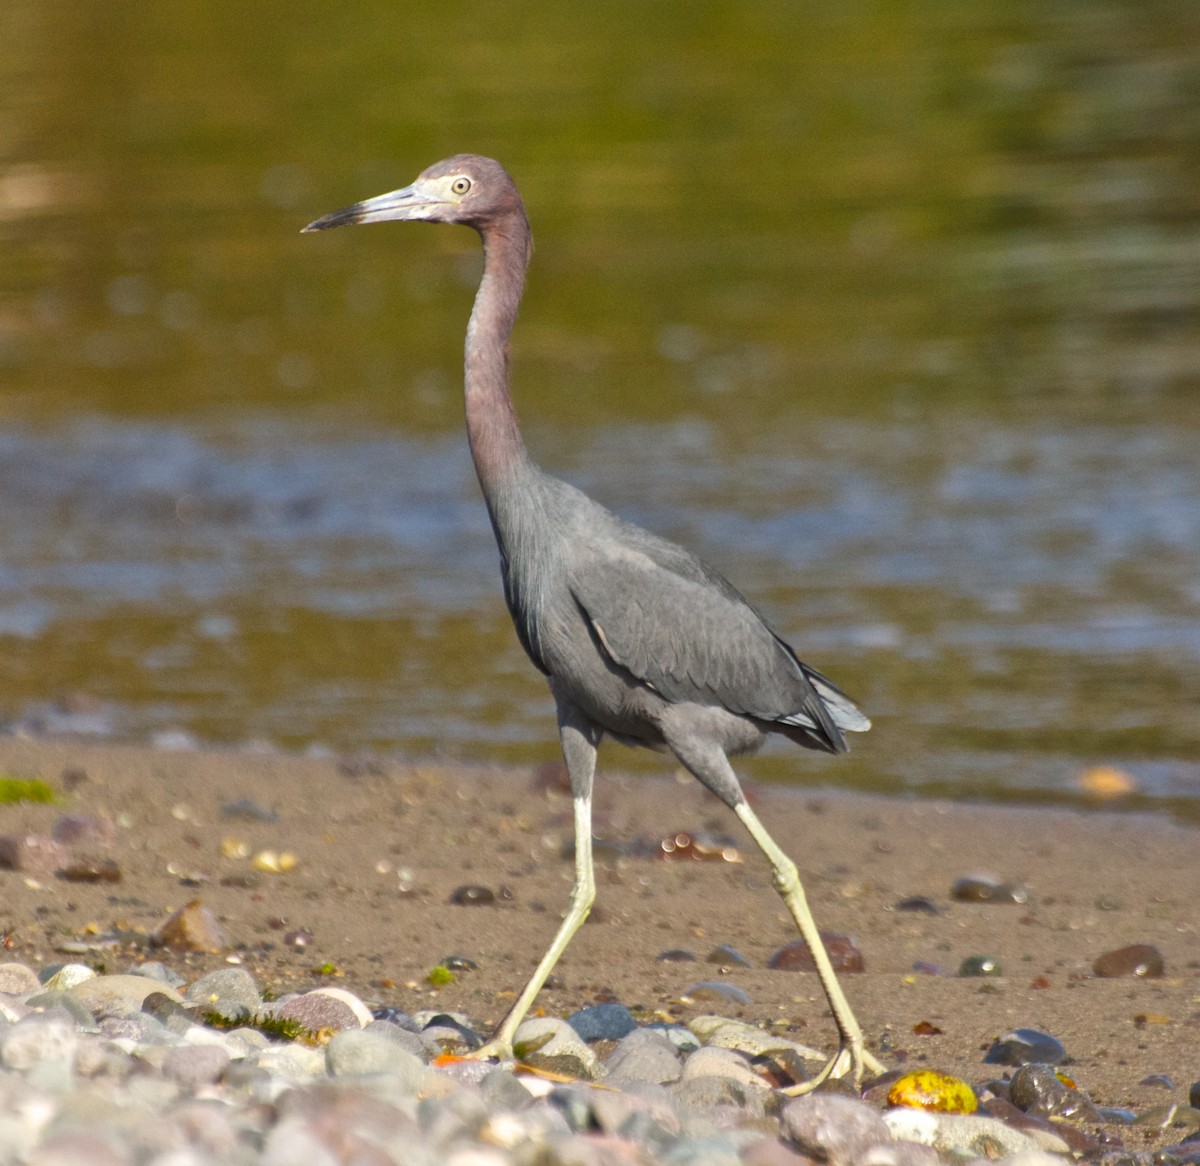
x: 722, y: 1033
x: 955, y: 1133
x: 717, y: 1062
x: 1024, y: 1046
x: 1136, y: 959
x: 81, y: 1148
x: 229, y: 992
x: 643, y: 1055
x: 192, y: 1066
x: 118, y: 995
x: 41, y: 1048
x: 361, y: 1012
x: 97, y: 830
x: 293, y: 1062
x: 727, y: 957
x: 157, y: 970
x: 986, y: 888
x: 843, y: 951
x: 194, y: 927
x: 398, y: 1036
x: 831, y: 1128
x: 552, y: 1044
x: 33, y: 855
x: 717, y: 991
x: 603, y: 1022
x: 68, y: 976
x: 316, y: 1011
x: 356, y: 1052
x: 18, y: 980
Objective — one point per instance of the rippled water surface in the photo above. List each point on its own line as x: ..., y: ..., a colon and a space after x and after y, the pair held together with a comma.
x: 892, y: 317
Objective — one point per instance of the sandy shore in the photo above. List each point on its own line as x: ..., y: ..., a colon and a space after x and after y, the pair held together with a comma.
x: 382, y: 847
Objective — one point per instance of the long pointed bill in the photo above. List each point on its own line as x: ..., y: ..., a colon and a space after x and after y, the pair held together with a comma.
x: 411, y: 203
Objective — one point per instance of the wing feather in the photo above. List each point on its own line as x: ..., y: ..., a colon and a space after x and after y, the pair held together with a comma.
x: 683, y: 630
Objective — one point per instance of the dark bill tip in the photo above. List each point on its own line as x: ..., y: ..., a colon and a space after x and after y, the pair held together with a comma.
x: 347, y: 216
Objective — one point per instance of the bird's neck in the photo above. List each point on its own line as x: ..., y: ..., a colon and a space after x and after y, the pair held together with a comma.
x: 496, y: 445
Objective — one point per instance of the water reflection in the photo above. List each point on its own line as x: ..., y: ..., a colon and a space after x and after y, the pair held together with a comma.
x: 1025, y: 590
x: 890, y: 311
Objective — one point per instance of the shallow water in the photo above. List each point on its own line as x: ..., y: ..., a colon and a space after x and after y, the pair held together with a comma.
x: 891, y: 317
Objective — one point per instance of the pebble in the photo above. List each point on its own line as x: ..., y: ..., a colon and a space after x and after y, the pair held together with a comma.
x: 119, y: 1069
x: 552, y: 1044
x: 193, y: 927
x: 1137, y: 959
x: 844, y: 953
x: 1026, y: 1046
x: 603, y: 1022
x: 985, y: 888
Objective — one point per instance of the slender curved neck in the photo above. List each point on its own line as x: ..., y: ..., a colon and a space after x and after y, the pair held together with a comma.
x: 492, y: 429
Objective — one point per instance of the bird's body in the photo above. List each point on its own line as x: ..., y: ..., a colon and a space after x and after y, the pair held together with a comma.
x: 639, y: 639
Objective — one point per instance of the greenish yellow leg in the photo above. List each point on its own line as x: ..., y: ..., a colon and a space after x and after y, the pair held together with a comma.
x: 583, y: 895
x: 852, y: 1058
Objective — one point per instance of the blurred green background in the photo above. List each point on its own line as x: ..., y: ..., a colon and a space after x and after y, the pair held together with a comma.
x: 890, y: 310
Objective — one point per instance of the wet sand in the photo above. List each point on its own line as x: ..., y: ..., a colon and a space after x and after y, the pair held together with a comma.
x: 382, y: 846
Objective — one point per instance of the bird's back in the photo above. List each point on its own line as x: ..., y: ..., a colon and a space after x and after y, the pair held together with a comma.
x: 627, y: 619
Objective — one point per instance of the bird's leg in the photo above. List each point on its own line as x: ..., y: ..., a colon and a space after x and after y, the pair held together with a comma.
x: 579, y: 741
x: 852, y: 1059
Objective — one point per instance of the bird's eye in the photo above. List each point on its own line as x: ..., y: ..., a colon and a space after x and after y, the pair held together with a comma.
x: 460, y: 185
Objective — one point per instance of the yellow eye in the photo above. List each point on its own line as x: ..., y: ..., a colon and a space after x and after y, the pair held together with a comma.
x: 460, y: 185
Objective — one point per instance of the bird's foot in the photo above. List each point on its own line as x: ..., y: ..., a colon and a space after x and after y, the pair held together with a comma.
x: 493, y: 1050
x: 851, y: 1060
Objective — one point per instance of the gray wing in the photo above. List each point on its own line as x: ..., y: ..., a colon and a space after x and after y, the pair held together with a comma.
x: 683, y: 630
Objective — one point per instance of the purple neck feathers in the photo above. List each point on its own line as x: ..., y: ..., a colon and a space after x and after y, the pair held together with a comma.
x: 495, y: 436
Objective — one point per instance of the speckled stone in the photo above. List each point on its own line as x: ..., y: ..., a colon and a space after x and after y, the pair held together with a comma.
x: 18, y: 980
x: 831, y: 1128
x: 549, y: 1043
x: 229, y: 992
x: 643, y: 1055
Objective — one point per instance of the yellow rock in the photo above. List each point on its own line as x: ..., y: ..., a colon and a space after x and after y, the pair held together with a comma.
x: 929, y: 1089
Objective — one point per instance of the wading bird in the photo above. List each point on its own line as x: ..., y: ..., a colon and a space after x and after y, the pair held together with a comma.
x: 639, y: 639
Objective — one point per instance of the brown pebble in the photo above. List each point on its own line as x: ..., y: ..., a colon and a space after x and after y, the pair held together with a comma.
x: 472, y: 895
x: 33, y: 854
x: 194, y: 927
x: 844, y: 954
x: 92, y: 829
x: 91, y: 870
x: 986, y: 889
x: 1137, y: 959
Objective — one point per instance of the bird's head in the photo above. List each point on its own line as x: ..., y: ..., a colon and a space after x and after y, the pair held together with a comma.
x: 463, y: 189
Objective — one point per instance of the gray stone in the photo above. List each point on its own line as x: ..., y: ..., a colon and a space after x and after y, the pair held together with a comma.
x: 720, y: 1032
x: 316, y: 1011
x: 403, y: 1037
x: 1025, y: 1046
x: 157, y: 970
x: 968, y: 1135
x: 718, y: 1062
x: 704, y: 1095
x: 174, y: 1017
x: 67, y: 976
x: 75, y: 1147
x: 192, y: 1066
x: 643, y: 1055
x: 231, y: 992
x: 552, y: 1044
x: 833, y: 1128
x: 119, y: 995
x: 296, y: 1063
x: 102, y: 1058
x: 18, y: 980
x: 42, y: 1049
x: 603, y: 1022
x: 502, y: 1091
x: 356, y: 1052
x: 906, y: 1154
